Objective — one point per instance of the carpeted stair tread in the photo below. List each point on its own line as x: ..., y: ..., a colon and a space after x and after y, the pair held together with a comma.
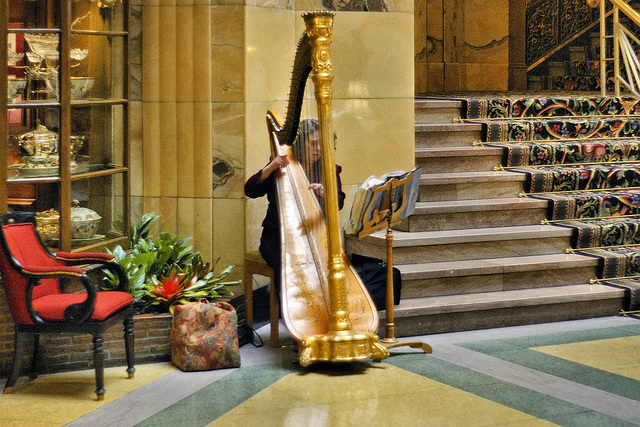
x: 554, y: 105
x: 470, y: 177
x: 631, y: 287
x: 577, y: 151
x: 559, y: 128
x: 505, y: 299
x: 580, y: 177
x: 442, y: 237
x: 616, y: 261
x: 478, y: 205
x: 604, y: 232
x: 592, y: 204
x: 517, y: 264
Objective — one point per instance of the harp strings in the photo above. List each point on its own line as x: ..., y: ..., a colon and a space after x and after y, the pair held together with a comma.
x: 306, y: 147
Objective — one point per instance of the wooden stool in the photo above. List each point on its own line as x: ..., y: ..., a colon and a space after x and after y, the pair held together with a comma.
x: 254, y: 264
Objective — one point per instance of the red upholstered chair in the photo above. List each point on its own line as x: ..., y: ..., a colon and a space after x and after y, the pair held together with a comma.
x: 31, y: 277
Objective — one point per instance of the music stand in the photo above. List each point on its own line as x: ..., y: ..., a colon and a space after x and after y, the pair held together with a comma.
x: 387, y: 204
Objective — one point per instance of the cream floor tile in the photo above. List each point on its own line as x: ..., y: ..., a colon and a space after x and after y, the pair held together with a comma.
x: 381, y: 395
x: 379, y: 381
x: 62, y: 398
x: 616, y: 355
x: 440, y: 407
x: 307, y: 416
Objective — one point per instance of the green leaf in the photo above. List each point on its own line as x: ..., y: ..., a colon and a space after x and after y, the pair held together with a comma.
x: 143, y: 227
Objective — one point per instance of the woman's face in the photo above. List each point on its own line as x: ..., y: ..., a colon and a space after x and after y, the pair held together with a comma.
x: 313, y: 147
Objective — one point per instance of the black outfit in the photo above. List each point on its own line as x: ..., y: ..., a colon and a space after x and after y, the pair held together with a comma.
x: 270, y: 238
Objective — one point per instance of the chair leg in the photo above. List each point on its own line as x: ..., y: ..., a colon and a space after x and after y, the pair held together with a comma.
x: 129, y: 346
x: 98, y: 364
x: 19, y: 352
x: 33, y: 370
x: 248, y: 296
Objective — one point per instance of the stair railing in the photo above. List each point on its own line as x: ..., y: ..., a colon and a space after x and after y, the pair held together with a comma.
x: 622, y: 47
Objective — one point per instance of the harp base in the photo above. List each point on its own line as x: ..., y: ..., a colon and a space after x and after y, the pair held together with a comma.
x: 341, y: 347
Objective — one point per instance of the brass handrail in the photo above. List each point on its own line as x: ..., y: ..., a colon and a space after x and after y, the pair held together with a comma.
x: 622, y: 47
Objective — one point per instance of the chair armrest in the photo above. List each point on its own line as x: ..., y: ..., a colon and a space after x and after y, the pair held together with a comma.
x: 74, y: 313
x: 77, y: 258
x: 107, y: 260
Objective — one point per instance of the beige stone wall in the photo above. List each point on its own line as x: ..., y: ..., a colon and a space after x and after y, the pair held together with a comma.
x: 200, y: 125
x: 461, y: 45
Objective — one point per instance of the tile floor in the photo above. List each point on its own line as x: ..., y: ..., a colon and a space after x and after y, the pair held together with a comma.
x: 577, y: 373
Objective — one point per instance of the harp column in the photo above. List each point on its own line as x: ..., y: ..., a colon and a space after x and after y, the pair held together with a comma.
x: 341, y: 343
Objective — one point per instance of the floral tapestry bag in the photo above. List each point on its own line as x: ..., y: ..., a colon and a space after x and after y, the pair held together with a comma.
x: 204, y: 336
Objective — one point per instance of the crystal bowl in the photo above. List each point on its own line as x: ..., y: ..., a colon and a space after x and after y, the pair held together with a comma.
x: 80, y: 86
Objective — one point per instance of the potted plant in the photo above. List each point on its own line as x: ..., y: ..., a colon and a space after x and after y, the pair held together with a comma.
x: 166, y: 271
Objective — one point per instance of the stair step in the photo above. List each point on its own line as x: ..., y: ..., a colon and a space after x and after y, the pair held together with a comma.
x: 470, y: 185
x: 421, y: 316
x: 447, y: 134
x: 474, y: 213
x: 477, y: 243
x: 436, y: 110
x: 458, y: 159
x: 495, y: 274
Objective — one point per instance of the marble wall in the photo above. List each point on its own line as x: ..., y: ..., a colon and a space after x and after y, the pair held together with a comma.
x: 208, y: 72
x: 461, y: 45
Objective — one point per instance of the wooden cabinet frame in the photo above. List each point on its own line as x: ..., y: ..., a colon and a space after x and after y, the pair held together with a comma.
x: 114, y: 99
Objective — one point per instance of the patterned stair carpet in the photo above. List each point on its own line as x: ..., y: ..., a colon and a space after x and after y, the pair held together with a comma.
x: 576, y: 177
x: 561, y: 128
x: 582, y: 155
x: 593, y: 233
x: 541, y: 153
x: 559, y: 105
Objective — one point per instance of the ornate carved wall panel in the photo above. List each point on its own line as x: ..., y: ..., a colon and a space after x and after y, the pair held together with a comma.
x: 552, y: 22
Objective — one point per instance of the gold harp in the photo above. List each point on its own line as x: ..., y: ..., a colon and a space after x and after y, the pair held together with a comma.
x: 325, y: 305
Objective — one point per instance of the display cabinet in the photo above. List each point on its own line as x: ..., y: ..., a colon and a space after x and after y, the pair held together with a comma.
x: 66, y: 154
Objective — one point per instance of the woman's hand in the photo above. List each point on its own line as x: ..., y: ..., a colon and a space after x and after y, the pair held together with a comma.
x: 278, y: 162
x: 317, y: 188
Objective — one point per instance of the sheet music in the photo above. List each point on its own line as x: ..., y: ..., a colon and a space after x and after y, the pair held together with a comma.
x: 372, y: 199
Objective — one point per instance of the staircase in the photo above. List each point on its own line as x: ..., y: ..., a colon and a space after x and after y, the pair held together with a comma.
x: 474, y: 254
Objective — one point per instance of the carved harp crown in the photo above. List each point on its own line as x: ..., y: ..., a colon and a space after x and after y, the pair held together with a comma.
x: 286, y: 132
